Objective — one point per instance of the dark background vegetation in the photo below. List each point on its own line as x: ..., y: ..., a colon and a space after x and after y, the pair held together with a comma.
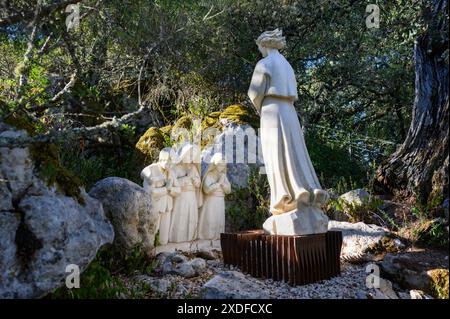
x: 356, y: 85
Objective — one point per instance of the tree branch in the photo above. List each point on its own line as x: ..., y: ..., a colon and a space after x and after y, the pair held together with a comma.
x: 91, y: 132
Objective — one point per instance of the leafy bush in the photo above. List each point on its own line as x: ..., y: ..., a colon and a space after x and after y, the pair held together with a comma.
x: 427, y: 226
x: 248, y: 208
x: 366, y: 212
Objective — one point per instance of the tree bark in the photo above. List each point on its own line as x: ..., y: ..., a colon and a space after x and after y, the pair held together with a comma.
x: 418, y: 170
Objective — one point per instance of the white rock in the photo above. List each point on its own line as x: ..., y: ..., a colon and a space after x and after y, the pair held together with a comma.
x: 355, y: 197
x: 404, y: 295
x: 238, y: 171
x: 199, y: 265
x: 233, y: 285
x: 178, y: 264
x: 42, y: 230
x: 128, y: 206
x: 386, y: 289
x: 419, y: 294
x: 357, y: 237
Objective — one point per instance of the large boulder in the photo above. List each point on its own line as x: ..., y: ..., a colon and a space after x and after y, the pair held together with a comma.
x: 358, y: 238
x: 42, y: 229
x: 129, y: 208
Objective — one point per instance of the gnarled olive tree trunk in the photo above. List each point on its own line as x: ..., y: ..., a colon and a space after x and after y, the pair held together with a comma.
x: 419, y: 168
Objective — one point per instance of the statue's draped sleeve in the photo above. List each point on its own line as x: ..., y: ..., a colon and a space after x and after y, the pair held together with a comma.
x: 258, y: 85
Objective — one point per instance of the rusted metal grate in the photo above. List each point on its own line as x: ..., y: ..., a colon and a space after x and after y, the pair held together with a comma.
x: 297, y: 260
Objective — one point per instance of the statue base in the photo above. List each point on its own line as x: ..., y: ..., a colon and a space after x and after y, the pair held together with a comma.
x: 297, y: 260
x: 306, y: 220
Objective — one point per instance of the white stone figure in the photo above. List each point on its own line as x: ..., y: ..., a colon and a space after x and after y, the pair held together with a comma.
x: 184, y: 222
x: 159, y: 182
x: 215, y: 186
x: 294, y: 187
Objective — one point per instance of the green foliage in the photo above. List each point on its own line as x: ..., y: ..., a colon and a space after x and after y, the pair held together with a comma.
x: 428, y: 232
x: 328, y: 158
x: 96, y: 282
x: 135, y: 261
x: 248, y: 208
x: 427, y: 227
x: 366, y: 211
x: 344, y: 185
x: 440, y: 283
x: 47, y: 160
x: 90, y: 167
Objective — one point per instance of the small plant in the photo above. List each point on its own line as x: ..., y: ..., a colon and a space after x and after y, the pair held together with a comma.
x: 367, y: 211
x: 344, y: 185
x: 96, y: 282
x: 426, y: 228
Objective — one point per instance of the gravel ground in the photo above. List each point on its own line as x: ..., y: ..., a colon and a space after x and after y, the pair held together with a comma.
x: 350, y: 285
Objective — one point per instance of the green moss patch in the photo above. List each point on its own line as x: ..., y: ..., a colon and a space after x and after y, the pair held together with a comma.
x: 385, y: 245
x: 46, y: 160
x: 240, y: 114
x: 150, y: 143
x: 184, y: 122
x: 439, y: 282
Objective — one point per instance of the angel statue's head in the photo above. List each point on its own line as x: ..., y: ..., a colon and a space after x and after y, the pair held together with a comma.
x: 271, y: 40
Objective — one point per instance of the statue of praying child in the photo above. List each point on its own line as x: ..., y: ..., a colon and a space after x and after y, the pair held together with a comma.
x: 184, y: 222
x: 159, y: 182
x: 215, y: 186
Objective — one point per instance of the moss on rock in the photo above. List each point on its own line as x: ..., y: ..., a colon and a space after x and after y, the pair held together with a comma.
x: 184, y: 122
x: 46, y: 160
x: 166, y: 130
x: 385, y: 245
x: 240, y: 114
x: 21, y: 122
x: 211, y: 120
x: 439, y: 282
x: 150, y: 143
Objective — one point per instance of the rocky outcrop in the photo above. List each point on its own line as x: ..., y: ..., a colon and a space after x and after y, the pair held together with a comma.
x: 42, y: 230
x: 178, y: 264
x: 128, y: 207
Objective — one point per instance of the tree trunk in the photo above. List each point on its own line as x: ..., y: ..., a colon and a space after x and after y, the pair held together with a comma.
x: 419, y: 168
